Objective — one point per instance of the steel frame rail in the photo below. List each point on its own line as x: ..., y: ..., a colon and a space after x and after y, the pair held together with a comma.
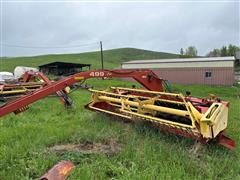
x: 145, y: 77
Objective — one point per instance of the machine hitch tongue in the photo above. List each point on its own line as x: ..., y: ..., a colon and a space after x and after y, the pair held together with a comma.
x: 59, y: 172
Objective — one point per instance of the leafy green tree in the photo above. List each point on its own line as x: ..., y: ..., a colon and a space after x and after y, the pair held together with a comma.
x: 191, y: 51
x: 214, y: 53
x: 232, y: 49
x: 224, y: 51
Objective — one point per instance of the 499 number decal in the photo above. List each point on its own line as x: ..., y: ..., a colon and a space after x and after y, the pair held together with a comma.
x: 97, y: 74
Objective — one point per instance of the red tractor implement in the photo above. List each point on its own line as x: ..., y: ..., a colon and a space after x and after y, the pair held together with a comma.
x: 198, y: 118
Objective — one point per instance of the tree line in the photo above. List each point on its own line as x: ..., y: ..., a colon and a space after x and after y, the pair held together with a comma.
x: 229, y: 50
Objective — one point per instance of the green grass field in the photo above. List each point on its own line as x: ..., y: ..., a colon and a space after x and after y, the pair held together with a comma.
x: 146, y: 153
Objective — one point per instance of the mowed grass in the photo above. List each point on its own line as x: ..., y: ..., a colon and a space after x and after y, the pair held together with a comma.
x: 146, y: 153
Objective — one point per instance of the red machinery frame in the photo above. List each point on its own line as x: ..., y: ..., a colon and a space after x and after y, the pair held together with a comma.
x: 146, y: 78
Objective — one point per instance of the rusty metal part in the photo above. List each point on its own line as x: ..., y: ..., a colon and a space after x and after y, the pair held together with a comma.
x: 59, y: 172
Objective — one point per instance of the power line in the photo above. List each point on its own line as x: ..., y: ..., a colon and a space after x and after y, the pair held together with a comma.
x: 47, y: 47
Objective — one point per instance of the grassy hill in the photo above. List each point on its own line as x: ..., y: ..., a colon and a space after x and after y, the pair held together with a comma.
x: 112, y: 58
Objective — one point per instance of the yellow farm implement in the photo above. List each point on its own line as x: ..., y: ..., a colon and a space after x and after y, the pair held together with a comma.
x: 186, y: 116
x: 14, y: 90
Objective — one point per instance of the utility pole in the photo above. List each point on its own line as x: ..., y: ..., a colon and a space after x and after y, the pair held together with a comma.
x: 101, y: 54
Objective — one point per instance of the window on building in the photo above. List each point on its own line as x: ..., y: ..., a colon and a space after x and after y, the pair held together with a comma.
x: 208, y: 74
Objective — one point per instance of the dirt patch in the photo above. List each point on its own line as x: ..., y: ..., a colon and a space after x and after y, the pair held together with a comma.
x: 88, y: 147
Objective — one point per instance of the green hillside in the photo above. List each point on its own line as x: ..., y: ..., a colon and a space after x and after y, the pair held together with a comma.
x: 112, y: 58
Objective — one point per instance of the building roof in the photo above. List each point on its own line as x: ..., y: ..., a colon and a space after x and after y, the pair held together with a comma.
x: 64, y: 64
x: 180, y: 60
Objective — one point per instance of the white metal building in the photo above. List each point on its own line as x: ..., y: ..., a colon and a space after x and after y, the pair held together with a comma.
x: 207, y: 70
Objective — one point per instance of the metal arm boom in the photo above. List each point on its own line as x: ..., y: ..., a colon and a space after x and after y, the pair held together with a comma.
x: 145, y: 77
